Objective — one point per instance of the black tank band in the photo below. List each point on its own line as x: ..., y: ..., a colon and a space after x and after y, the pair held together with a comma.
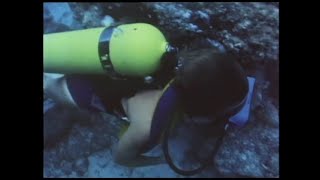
x: 104, y: 53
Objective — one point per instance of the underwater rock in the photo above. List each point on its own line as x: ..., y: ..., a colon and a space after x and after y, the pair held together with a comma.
x: 89, y: 15
x: 60, y: 12
x: 107, y: 21
x: 81, y: 166
x: 268, y: 113
x: 92, y: 14
x: 246, y: 29
x: 56, y: 124
x: 84, y: 139
x: 59, y: 17
x: 252, y: 151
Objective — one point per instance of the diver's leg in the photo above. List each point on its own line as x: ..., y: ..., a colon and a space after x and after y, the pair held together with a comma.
x: 55, y: 88
x: 72, y: 91
x: 61, y: 108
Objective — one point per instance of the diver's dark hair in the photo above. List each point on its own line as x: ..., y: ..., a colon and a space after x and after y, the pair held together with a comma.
x: 209, y: 81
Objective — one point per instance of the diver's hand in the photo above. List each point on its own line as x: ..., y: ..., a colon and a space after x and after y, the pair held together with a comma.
x: 141, y: 161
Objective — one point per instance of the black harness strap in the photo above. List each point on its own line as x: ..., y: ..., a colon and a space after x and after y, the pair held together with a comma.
x: 204, y: 164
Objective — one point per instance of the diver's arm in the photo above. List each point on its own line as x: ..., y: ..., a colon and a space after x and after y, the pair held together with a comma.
x: 127, y: 152
x: 139, y: 109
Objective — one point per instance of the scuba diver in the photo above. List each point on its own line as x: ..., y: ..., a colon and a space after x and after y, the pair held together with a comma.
x: 131, y: 71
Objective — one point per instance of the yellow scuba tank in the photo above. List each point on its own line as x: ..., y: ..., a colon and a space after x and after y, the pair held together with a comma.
x: 127, y: 50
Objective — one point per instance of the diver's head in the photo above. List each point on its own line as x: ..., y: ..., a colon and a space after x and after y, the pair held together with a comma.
x: 211, y: 83
x: 208, y: 84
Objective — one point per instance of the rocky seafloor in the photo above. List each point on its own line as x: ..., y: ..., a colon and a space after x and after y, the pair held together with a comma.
x: 249, y: 30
